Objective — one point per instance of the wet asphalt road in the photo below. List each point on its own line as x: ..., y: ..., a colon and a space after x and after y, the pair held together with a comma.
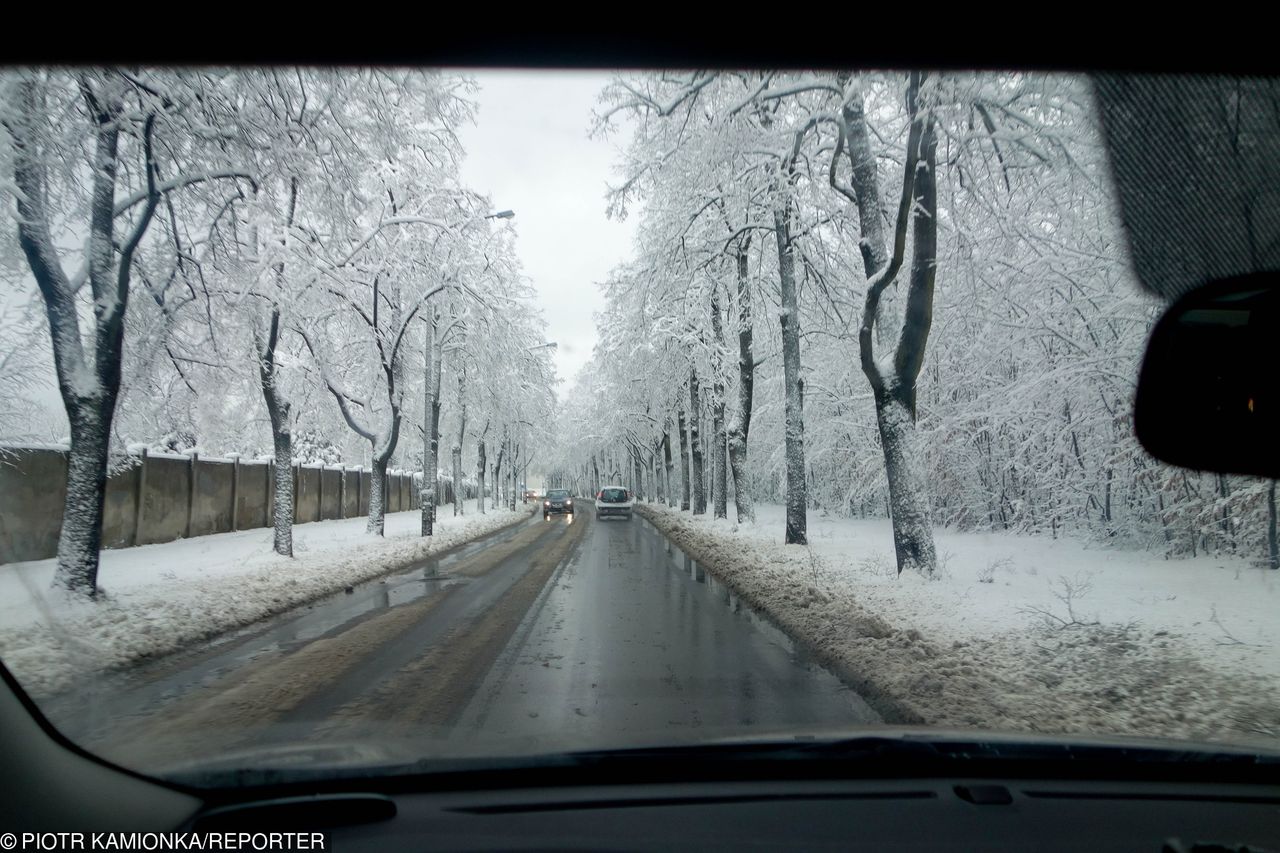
x: 631, y: 637
x: 572, y: 633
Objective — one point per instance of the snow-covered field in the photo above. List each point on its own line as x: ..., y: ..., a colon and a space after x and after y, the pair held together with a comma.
x: 1019, y: 633
x: 160, y: 598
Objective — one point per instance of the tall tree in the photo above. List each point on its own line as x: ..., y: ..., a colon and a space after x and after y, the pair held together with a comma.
x: 740, y: 428
x: 695, y: 447
x: 893, y: 380
x: 789, y: 317
x: 118, y: 117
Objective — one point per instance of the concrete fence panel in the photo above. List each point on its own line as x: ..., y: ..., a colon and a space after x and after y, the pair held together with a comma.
x: 33, y: 489
x: 308, y: 495
x: 331, y: 489
x: 211, y: 507
x: 120, y: 510
x: 351, y: 494
x: 253, y: 496
x: 393, y: 493
x: 165, y: 497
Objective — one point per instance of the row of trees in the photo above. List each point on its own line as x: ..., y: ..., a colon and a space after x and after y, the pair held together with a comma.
x: 900, y: 295
x: 235, y: 254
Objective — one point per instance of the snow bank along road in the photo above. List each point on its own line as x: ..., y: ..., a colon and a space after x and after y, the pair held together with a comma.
x: 561, y: 634
x: 162, y: 598
x: 1016, y: 633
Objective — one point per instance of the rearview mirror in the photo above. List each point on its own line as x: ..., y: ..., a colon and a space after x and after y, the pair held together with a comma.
x: 1208, y: 394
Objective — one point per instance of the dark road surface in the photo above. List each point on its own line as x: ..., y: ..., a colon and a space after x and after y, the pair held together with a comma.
x: 633, y: 638
x: 573, y: 633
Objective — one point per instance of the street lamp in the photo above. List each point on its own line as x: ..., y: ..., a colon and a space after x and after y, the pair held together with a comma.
x: 501, y: 214
x: 551, y: 344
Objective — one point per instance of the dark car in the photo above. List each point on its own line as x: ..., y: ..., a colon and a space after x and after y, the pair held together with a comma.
x: 557, y: 502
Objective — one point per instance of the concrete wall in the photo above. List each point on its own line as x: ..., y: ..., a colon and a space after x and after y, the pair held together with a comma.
x: 120, y: 513
x: 252, y: 498
x: 33, y: 489
x: 331, y: 485
x: 351, y: 494
x: 165, y: 495
x: 307, y: 489
x: 393, y: 493
x: 212, y: 506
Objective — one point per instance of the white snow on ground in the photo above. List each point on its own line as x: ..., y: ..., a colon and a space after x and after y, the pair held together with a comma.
x: 160, y: 598
x: 1153, y: 647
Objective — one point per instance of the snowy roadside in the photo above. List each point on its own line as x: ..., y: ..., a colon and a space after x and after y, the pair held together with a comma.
x: 1183, y: 648
x: 161, y: 598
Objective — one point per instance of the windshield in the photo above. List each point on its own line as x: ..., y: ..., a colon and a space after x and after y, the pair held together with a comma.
x: 287, y: 358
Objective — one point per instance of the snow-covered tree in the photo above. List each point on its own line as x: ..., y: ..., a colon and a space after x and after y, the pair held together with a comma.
x: 95, y: 155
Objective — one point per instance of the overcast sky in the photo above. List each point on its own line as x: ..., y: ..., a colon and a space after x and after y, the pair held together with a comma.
x: 530, y: 153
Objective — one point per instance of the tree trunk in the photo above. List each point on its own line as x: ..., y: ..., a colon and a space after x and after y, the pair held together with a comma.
x: 637, y: 465
x: 1273, y: 546
x: 893, y: 382
x: 377, y: 494
x: 695, y: 448
x: 912, y: 533
x: 458, y: 496
x: 793, y: 385
x: 509, y: 480
x: 497, y: 471
x: 278, y: 410
x: 669, y: 467
x: 480, y: 474
x: 426, y: 497
x: 281, y: 437
x: 457, y: 445
x: 719, y: 465
x: 741, y: 428
x: 684, y: 460
x: 282, y: 441
x: 81, y: 537
x: 431, y: 458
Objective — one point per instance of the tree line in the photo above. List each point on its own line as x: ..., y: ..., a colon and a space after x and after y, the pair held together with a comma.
x: 236, y: 254
x: 900, y: 295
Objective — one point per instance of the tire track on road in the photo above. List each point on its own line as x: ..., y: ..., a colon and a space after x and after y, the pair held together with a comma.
x: 431, y: 693
x: 270, y: 697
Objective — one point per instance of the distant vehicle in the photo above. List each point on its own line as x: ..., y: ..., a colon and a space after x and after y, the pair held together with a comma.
x: 614, y: 500
x: 557, y: 502
x: 530, y: 494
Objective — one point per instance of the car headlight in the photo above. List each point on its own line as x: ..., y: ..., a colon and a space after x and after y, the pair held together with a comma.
x: 569, y: 502
x: 546, y: 503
